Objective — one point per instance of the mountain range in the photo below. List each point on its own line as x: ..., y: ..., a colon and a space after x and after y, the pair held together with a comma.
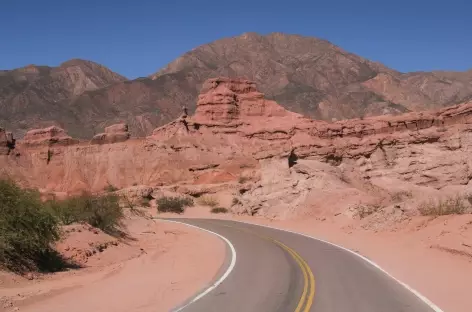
x: 306, y: 75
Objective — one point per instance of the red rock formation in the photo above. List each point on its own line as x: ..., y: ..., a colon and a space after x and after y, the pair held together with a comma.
x: 235, y: 132
x: 47, y: 137
x: 113, y: 134
x: 225, y: 100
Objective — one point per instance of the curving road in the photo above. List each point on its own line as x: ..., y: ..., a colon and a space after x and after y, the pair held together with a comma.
x: 272, y: 270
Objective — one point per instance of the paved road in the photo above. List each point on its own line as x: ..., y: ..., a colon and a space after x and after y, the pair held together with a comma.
x: 281, y: 271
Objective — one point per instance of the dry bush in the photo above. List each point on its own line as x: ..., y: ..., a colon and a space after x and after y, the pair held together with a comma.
x: 219, y: 210
x: 173, y: 204
x: 236, y: 201
x: 243, y: 179
x: 441, y: 207
x: 401, y: 196
x: 110, y: 188
x: 207, y: 200
x: 146, y: 202
x: 365, y: 210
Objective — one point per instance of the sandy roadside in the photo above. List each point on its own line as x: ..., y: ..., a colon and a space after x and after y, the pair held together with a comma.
x: 410, y: 252
x: 171, y: 269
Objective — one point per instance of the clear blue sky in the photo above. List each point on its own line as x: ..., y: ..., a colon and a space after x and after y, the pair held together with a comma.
x: 136, y: 38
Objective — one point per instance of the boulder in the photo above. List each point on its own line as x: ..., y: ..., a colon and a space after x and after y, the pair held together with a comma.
x: 113, y: 134
x: 117, y: 128
x: 48, y: 136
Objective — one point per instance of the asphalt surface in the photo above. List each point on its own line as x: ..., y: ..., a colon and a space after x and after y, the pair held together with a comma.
x: 273, y: 269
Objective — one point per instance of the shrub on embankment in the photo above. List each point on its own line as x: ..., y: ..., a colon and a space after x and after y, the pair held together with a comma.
x: 173, y: 204
x: 103, y: 212
x: 29, y: 227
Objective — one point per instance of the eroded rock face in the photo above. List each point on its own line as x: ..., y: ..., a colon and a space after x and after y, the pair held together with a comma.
x: 47, y: 137
x: 225, y: 100
x: 278, y: 163
x: 113, y: 134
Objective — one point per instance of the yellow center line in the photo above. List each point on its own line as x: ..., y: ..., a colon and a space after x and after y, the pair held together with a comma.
x: 304, y: 271
x: 308, y: 278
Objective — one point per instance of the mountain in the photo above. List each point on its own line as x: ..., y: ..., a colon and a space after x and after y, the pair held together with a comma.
x: 318, y: 79
x: 305, y: 75
x: 33, y: 96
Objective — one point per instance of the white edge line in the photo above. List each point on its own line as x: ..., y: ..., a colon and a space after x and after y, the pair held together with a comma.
x: 222, y: 278
x: 415, y: 292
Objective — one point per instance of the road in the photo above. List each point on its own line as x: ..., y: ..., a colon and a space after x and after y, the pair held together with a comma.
x: 281, y: 271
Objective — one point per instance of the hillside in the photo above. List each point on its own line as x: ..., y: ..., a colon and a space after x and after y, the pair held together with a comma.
x: 305, y: 75
x: 39, y: 95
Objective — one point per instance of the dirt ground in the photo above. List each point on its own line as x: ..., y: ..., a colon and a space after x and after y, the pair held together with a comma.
x: 149, y: 272
x: 152, y: 271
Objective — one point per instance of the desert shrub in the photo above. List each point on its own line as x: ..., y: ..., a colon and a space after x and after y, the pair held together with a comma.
x: 209, y: 201
x: 27, y: 228
x: 401, y: 196
x: 103, y: 212
x: 243, y: 179
x: 173, y: 204
x: 365, y: 210
x: 146, y: 202
x: 219, y: 210
x: 236, y: 201
x: 111, y: 188
x: 441, y: 207
x: 49, y: 157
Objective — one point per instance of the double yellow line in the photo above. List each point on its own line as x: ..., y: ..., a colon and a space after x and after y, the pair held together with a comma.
x: 308, y: 294
x: 306, y: 301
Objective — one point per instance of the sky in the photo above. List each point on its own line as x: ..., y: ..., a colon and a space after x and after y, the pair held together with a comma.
x: 137, y: 38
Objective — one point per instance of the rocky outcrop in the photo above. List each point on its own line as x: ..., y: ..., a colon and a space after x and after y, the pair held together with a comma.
x: 113, y: 134
x: 7, y: 142
x: 274, y: 162
x: 51, y: 136
x: 224, y: 100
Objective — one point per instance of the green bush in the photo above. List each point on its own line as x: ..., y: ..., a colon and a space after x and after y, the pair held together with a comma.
x: 219, y: 210
x: 448, y: 206
x: 173, y: 204
x: 103, y: 212
x: 27, y: 228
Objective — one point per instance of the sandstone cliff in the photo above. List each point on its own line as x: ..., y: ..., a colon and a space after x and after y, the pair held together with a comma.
x: 274, y: 162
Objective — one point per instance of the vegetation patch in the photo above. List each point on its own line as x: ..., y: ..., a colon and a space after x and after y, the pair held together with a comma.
x: 146, y: 202
x: 111, y: 188
x: 236, y: 201
x: 103, y: 212
x: 219, y: 210
x: 401, y: 196
x: 207, y: 200
x: 365, y: 210
x: 243, y: 179
x: 27, y: 230
x: 173, y: 204
x: 447, y: 206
